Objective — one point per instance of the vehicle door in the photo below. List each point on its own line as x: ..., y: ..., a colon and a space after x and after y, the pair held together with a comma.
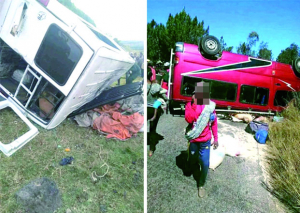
x: 46, y: 43
x: 283, y: 92
x: 9, y: 149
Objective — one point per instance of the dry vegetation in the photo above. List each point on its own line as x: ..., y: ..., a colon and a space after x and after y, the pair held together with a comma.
x: 283, y: 158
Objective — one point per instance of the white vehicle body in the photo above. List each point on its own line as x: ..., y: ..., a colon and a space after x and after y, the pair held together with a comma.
x: 65, y: 62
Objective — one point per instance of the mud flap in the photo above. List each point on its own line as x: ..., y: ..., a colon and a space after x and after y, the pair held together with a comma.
x: 9, y: 149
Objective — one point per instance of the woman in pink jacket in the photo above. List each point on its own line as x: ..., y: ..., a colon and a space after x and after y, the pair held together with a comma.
x: 199, y: 146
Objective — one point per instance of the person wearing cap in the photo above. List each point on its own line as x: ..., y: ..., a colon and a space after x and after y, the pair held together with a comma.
x: 201, y: 116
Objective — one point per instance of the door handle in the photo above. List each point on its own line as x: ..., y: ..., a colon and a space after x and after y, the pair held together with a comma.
x: 277, y: 84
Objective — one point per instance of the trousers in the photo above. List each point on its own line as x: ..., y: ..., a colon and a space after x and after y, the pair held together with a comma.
x: 199, y: 154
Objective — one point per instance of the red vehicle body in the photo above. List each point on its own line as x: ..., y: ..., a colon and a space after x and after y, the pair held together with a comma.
x: 237, y: 82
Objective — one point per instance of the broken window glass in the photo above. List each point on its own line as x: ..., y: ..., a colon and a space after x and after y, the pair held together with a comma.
x: 46, y: 101
x: 133, y: 75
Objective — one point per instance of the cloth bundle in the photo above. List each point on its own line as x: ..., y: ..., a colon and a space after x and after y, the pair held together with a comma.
x: 201, y: 123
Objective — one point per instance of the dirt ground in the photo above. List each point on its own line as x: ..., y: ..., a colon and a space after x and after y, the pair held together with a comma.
x: 235, y: 186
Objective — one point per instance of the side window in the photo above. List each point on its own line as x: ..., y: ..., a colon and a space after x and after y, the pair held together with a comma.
x: 133, y: 75
x: 223, y: 91
x: 218, y: 90
x: 254, y: 95
x: 282, y: 98
x: 188, y: 85
x: 58, y: 54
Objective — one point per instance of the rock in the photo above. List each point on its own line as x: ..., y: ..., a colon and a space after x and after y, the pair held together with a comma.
x: 68, y: 211
x: 40, y: 195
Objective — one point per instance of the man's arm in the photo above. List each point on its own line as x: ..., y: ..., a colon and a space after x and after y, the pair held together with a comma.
x: 214, y: 128
x: 190, y: 112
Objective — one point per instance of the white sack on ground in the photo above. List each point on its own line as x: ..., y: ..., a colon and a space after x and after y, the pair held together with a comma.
x: 244, y: 117
x: 234, y: 119
x: 216, y: 157
x: 231, y: 145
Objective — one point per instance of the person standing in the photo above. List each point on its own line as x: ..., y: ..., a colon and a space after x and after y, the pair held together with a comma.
x: 154, y: 101
x: 200, y: 114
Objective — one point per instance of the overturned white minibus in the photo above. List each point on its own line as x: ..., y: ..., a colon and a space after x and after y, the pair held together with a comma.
x: 52, y: 63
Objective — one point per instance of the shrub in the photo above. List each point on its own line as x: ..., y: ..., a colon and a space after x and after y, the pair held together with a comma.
x: 283, y: 157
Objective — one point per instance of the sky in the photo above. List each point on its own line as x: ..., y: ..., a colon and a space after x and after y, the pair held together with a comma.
x: 121, y: 19
x: 277, y: 22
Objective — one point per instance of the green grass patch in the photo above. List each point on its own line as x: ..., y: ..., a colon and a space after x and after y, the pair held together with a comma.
x: 120, y: 190
x: 283, y: 158
x: 13, y: 126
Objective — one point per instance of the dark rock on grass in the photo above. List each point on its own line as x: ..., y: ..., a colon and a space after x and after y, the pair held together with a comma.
x: 39, y: 196
x: 66, y: 161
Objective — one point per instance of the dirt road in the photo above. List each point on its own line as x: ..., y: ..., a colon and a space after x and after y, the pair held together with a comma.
x: 234, y: 187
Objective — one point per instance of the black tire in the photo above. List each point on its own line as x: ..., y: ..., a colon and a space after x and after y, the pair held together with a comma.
x: 210, y: 45
x: 297, y: 65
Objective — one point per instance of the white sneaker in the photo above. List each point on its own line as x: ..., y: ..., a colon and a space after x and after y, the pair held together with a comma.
x: 201, y: 192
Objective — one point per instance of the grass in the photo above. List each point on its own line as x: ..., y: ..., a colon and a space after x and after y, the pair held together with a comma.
x: 18, y: 127
x: 120, y: 190
x: 283, y: 158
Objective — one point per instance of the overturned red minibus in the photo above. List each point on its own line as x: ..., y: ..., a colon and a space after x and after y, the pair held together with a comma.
x: 237, y: 82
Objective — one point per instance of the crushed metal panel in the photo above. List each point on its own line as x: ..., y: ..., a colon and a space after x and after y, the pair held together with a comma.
x: 9, y: 149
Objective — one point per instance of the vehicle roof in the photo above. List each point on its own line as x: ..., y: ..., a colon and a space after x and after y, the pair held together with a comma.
x: 282, y: 70
x: 92, y: 36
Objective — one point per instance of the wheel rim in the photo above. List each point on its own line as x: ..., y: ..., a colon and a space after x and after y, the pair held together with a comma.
x: 298, y: 64
x: 211, y: 44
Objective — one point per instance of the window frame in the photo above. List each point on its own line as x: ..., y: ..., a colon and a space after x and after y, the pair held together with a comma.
x: 282, y: 91
x: 75, y: 64
x: 210, y: 85
x: 254, y: 95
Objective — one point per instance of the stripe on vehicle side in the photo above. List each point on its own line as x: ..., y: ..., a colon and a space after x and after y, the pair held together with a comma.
x: 251, y: 63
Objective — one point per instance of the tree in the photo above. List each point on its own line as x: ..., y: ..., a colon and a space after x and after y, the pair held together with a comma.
x: 156, y: 41
x: 224, y: 45
x: 245, y: 48
x: 264, y: 52
x: 68, y: 4
x: 253, y: 38
x: 181, y: 27
x: 289, y: 54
